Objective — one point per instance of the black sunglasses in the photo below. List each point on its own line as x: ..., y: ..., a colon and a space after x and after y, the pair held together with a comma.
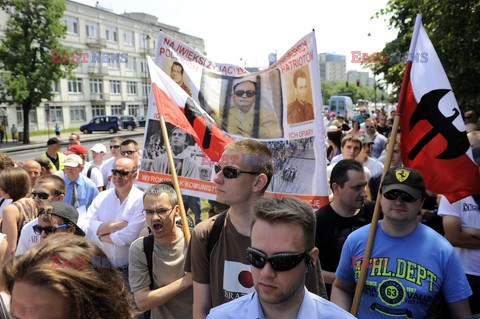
x: 114, y: 146
x: 40, y: 195
x: 394, y: 194
x: 127, y: 153
x: 279, y: 262
x: 37, y: 229
x: 231, y: 172
x: 249, y: 93
x: 116, y: 172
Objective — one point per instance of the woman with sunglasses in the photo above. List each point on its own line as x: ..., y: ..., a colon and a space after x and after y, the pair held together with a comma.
x: 15, y: 184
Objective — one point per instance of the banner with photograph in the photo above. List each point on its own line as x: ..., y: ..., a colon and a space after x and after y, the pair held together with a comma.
x: 280, y: 106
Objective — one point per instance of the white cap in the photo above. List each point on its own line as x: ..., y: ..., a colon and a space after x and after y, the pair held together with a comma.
x: 72, y: 160
x: 99, y: 148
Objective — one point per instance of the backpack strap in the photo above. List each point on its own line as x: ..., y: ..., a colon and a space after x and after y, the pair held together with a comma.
x: 89, y: 172
x: 148, y: 250
x: 216, y: 231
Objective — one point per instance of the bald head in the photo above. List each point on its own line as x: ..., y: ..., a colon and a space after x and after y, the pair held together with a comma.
x: 33, y: 170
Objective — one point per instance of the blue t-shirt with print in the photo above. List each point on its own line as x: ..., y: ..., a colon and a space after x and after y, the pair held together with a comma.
x: 405, y: 274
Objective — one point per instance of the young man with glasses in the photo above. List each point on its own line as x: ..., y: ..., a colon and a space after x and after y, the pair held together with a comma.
x: 130, y: 149
x: 47, y: 189
x: 170, y: 295
x: 242, y: 176
x: 241, y: 116
x: 108, y: 164
x: 412, y: 268
x: 116, y: 215
x: 58, y: 217
x: 282, y: 251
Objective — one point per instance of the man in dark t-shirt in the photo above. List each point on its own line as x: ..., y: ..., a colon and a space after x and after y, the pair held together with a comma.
x: 347, y: 212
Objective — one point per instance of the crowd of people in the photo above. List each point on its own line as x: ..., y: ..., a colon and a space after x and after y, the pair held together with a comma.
x: 80, y: 238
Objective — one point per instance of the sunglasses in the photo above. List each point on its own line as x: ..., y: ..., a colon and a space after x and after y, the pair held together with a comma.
x: 231, y: 172
x: 114, y: 147
x: 394, y: 194
x: 127, y: 153
x: 116, y: 172
x: 40, y: 195
x: 162, y: 212
x: 240, y: 93
x: 279, y: 262
x: 37, y: 229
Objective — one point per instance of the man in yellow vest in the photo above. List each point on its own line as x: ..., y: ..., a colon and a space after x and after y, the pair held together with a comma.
x: 53, y: 153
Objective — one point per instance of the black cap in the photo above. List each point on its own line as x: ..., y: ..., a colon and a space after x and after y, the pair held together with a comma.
x: 67, y: 212
x: 405, y: 179
x: 53, y: 140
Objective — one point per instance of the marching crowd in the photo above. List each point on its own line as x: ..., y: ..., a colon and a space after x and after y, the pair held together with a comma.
x: 80, y: 239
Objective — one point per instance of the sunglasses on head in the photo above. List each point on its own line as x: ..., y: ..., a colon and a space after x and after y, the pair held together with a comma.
x: 127, y: 153
x: 37, y: 229
x: 394, y: 194
x: 40, y: 195
x: 114, y: 146
x: 249, y: 93
x: 279, y: 262
x: 116, y: 172
x: 231, y: 172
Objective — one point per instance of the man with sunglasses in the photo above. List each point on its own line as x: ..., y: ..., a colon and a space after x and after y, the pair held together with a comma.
x: 300, y: 110
x: 379, y: 141
x: 47, y: 189
x: 58, y: 217
x: 282, y: 251
x: 108, y: 165
x: 242, y: 116
x: 412, y: 268
x: 116, y: 215
x: 167, y: 291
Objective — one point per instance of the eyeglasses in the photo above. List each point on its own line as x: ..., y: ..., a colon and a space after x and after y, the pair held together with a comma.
x: 240, y: 93
x: 40, y: 195
x: 231, y: 172
x: 162, y: 211
x: 116, y: 172
x: 279, y: 262
x: 114, y: 146
x: 394, y: 194
x: 127, y: 153
x: 37, y: 229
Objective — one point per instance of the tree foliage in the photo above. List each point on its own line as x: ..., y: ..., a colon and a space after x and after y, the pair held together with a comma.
x: 33, y: 30
x: 332, y: 88
x: 453, y: 28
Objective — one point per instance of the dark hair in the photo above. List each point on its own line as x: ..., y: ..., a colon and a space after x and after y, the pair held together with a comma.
x: 176, y: 63
x: 254, y: 84
x: 339, y: 173
x: 128, y: 142
x: 335, y: 137
x: 298, y: 74
x: 15, y: 182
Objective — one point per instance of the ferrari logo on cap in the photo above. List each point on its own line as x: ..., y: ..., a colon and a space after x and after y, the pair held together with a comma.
x: 401, y: 174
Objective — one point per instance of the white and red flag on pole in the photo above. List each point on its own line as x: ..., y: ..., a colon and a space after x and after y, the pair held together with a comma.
x: 180, y: 110
x: 434, y: 140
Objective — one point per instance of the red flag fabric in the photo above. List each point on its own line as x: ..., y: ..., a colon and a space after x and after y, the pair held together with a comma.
x: 180, y: 110
x: 434, y: 140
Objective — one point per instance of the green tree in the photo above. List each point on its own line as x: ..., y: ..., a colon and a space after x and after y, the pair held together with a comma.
x: 453, y: 28
x: 33, y: 30
x: 331, y: 88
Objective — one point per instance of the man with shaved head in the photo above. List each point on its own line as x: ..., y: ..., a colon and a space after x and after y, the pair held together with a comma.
x: 33, y: 169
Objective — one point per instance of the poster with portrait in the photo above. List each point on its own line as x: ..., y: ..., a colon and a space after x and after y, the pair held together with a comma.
x: 280, y: 106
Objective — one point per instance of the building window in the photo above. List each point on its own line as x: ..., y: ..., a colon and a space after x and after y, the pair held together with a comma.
x: 143, y: 66
x: 132, y: 87
x: 96, y: 86
x: 145, y: 89
x: 75, y: 86
x: 133, y: 110
x: 115, y: 87
x: 113, y: 64
x: 131, y: 63
x: 128, y: 38
x: 92, y: 29
x: 72, y: 25
x: 77, y: 113
x: 55, y: 114
x: 98, y: 110
x: 55, y: 87
x: 111, y: 34
x: 116, y: 110
x: 143, y: 41
x: 32, y: 119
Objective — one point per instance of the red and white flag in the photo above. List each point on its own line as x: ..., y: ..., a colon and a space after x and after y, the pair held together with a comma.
x: 434, y: 140
x: 174, y: 104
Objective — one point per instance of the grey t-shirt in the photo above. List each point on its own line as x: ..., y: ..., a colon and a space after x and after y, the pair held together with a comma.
x: 168, y: 263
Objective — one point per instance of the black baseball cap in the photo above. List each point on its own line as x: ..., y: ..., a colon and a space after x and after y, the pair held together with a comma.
x: 405, y: 179
x: 67, y: 212
x: 53, y: 140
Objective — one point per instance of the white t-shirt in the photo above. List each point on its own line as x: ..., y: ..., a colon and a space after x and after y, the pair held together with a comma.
x: 28, y: 239
x: 469, y: 213
x: 95, y: 175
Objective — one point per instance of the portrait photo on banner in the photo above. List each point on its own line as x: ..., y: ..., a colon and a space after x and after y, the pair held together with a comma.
x: 299, y: 96
x: 176, y: 71
x: 248, y: 106
x: 187, y: 156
